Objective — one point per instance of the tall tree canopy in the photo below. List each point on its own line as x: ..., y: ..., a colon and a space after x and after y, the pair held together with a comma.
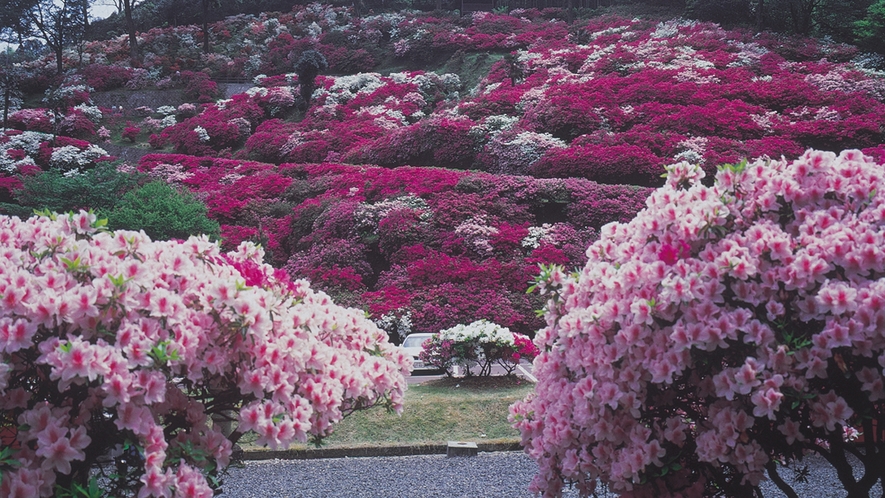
x: 59, y: 23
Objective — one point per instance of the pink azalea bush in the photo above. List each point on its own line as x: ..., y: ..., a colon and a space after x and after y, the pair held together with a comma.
x: 725, y: 329
x: 111, y: 341
x: 40, y: 120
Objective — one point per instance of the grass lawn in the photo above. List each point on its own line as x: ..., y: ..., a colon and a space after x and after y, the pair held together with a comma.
x: 463, y: 409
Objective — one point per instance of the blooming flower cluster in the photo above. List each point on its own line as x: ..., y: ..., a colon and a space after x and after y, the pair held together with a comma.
x: 725, y: 328
x: 614, y: 109
x: 608, y: 99
x: 481, y: 342
x: 397, y: 325
x: 388, y: 238
x: 29, y: 152
x: 39, y: 120
x: 72, y: 160
x: 111, y: 340
x: 18, y: 150
x: 360, y: 116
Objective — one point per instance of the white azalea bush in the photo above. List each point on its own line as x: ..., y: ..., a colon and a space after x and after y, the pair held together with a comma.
x: 110, y: 341
x: 481, y: 343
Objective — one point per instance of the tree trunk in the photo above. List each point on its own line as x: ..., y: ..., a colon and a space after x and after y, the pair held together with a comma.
x: 85, y: 15
x: 206, y: 26
x: 59, y: 65
x: 130, y: 26
x: 801, y: 12
x: 7, y: 96
x: 760, y: 4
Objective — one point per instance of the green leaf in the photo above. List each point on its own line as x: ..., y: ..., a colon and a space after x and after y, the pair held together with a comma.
x: 71, y: 265
x: 7, y: 459
x: 161, y: 354
x: 119, y: 281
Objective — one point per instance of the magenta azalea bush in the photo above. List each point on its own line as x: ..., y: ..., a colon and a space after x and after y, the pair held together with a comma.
x: 112, y: 344
x: 633, y: 97
x: 609, y: 99
x: 446, y: 246
x: 724, y: 330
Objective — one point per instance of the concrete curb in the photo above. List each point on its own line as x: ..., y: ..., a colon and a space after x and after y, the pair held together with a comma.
x: 368, y: 451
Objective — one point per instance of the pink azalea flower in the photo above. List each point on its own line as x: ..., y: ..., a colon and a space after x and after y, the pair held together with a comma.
x: 157, y: 484
x: 56, y: 449
x: 16, y: 334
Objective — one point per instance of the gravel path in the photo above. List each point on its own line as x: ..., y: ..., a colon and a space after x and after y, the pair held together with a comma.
x: 492, y: 475
x: 502, y: 474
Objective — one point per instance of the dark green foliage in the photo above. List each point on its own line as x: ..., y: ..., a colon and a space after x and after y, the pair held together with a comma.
x: 307, y: 68
x: 870, y: 30
x: 842, y: 21
x: 837, y: 19
x: 160, y: 210
x: 726, y: 12
x: 98, y: 189
x: 163, y: 213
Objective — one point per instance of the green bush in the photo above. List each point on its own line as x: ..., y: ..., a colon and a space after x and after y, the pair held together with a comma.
x: 98, y: 189
x: 870, y: 30
x: 163, y: 213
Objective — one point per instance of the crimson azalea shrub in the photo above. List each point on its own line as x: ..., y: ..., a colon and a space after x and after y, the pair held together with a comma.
x: 448, y: 246
x: 76, y: 124
x: 130, y: 133
x: 32, y: 120
x: 369, y: 118
x: 444, y: 285
x: 724, y: 330
x: 109, y: 340
x: 218, y: 127
x: 198, y: 87
x: 102, y: 77
x: 440, y: 142
x: 621, y: 164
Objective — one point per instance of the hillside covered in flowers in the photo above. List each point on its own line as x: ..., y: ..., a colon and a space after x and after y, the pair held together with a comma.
x: 438, y: 160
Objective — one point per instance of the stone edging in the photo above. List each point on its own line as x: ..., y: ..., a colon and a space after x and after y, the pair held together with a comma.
x: 368, y: 451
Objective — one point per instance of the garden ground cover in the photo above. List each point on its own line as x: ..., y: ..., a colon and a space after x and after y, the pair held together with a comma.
x: 437, y: 411
x: 430, y: 203
x: 563, y: 127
